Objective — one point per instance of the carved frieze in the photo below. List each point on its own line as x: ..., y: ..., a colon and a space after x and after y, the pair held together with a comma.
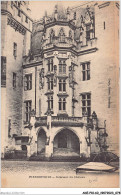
x: 14, y: 24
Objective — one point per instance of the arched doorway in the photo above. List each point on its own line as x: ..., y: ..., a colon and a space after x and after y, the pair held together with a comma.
x: 66, y: 143
x: 41, y: 141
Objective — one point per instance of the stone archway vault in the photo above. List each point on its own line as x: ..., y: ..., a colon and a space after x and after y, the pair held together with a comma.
x: 66, y: 143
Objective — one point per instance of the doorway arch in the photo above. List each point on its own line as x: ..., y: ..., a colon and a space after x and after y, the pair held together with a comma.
x: 66, y: 143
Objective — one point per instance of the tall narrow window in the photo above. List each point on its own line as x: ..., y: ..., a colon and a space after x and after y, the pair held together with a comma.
x: 50, y: 83
x: 86, y: 71
x: 15, y: 50
x: 28, y: 82
x: 28, y: 105
x: 62, y: 67
x: 62, y: 85
x: 61, y: 36
x: 86, y: 103
x: 62, y: 104
x: 50, y: 102
x: 14, y: 80
x: 50, y: 65
x: 104, y: 25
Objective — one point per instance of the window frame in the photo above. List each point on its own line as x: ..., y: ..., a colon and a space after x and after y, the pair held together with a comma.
x: 62, y: 66
x: 62, y: 85
x: 28, y: 109
x: 62, y: 36
x: 85, y: 69
x: 50, y: 102
x: 15, y: 50
x: 50, y: 82
x: 62, y: 104
x: 27, y: 82
x: 50, y: 65
x: 86, y: 103
x: 14, y: 80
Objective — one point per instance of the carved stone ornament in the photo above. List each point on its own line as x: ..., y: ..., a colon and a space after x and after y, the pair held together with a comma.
x: 41, y: 79
x: 14, y: 24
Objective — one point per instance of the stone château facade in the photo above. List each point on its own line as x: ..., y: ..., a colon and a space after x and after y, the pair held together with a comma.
x: 62, y: 96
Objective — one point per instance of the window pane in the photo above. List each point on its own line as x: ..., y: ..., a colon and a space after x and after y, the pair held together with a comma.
x: 59, y: 105
x: 60, y: 87
x: 60, y: 68
x: 83, y: 110
x: 88, y: 74
x: 64, y: 68
x: 83, y: 96
x: 83, y: 66
x: 88, y: 65
x: 88, y: 102
x: 83, y: 76
x: 83, y: 103
x: 88, y: 96
x: 64, y: 105
x: 88, y: 111
x: 52, y: 104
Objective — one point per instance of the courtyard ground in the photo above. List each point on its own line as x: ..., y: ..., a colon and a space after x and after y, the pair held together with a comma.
x: 53, y: 174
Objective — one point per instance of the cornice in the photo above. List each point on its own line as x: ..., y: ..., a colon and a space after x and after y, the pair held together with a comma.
x: 61, y: 23
x: 32, y: 65
x: 78, y: 53
x: 87, y: 51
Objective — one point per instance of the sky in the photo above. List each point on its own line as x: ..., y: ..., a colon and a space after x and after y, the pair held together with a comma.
x: 38, y: 8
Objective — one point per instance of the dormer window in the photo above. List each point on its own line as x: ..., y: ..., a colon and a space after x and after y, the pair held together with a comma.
x: 61, y: 36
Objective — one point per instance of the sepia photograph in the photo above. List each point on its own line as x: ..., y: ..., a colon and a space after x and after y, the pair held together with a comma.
x: 60, y: 94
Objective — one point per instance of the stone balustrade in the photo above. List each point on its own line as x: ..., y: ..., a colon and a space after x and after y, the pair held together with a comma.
x: 60, y: 121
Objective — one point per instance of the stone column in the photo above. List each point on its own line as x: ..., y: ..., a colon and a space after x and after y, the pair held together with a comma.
x: 48, y: 144
x: 33, y: 137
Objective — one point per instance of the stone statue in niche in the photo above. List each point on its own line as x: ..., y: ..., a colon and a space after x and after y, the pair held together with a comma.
x: 41, y: 79
x: 70, y: 76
